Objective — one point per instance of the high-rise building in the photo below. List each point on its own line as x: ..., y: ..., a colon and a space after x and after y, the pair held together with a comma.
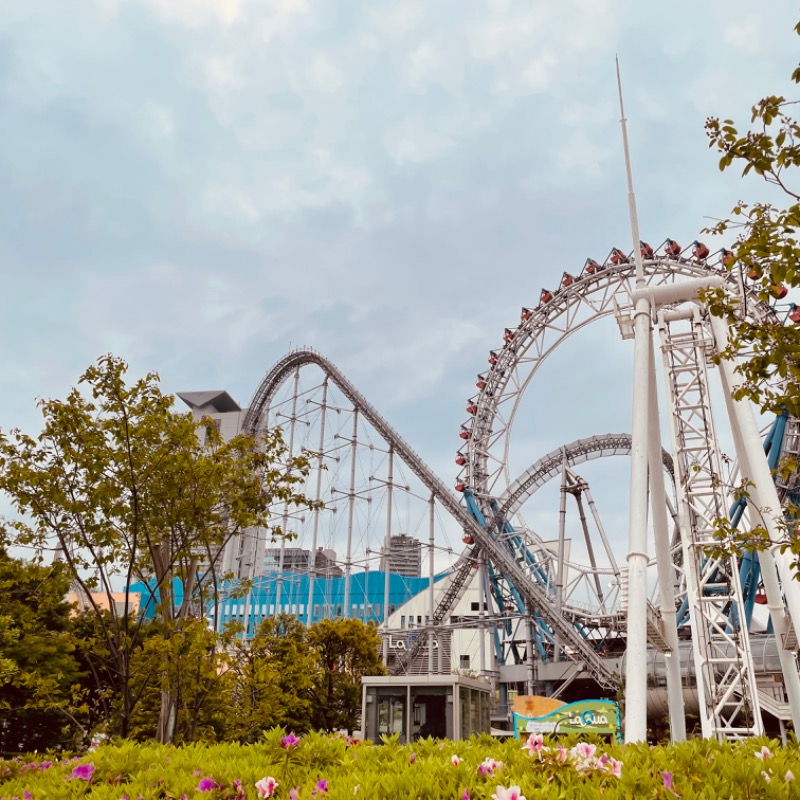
x: 294, y: 559
x: 405, y: 556
x: 325, y: 565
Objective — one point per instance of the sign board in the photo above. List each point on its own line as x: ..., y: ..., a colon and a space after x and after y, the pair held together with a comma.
x: 585, y: 716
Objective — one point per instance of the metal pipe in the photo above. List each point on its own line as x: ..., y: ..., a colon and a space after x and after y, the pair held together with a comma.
x: 348, y: 560
x: 634, y: 219
x: 312, y: 566
x: 589, y: 548
x: 481, y: 615
x: 431, y: 603
x: 385, y: 559
x: 606, y: 544
x: 529, y: 646
x: 636, y: 659
x: 285, y: 519
x: 562, y: 526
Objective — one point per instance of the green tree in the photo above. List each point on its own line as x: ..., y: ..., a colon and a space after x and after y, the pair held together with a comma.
x: 198, y: 666
x: 345, y: 651
x: 273, y: 678
x: 767, y: 250
x: 41, y: 704
x: 127, y: 489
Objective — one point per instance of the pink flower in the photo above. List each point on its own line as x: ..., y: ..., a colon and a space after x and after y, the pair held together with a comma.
x: 294, y: 794
x: 266, y: 786
x: 767, y: 778
x: 455, y: 760
x: 614, y: 767
x: 465, y: 795
x: 534, y: 744
x: 207, y: 785
x: 489, y: 766
x: 289, y: 741
x: 583, y: 750
x: 412, y: 758
x: 789, y: 777
x: 764, y: 753
x: 83, y: 771
x: 512, y: 793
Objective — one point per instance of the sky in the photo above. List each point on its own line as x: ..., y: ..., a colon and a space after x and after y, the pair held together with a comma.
x: 200, y: 185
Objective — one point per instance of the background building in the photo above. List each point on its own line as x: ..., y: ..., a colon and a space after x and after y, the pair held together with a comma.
x: 405, y: 555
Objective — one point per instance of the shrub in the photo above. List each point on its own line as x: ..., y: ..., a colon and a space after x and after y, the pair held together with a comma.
x: 319, y: 767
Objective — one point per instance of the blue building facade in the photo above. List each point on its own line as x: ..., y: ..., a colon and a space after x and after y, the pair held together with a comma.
x: 367, y: 598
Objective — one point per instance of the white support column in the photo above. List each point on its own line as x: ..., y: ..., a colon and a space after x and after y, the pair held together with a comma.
x: 431, y: 603
x: 636, y: 654
x: 562, y: 525
x: 481, y: 615
x: 385, y: 559
x: 348, y: 559
x: 312, y: 565
x: 285, y: 519
x: 529, y: 647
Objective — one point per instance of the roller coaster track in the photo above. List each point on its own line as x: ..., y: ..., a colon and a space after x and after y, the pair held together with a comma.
x: 579, y: 301
x: 535, y: 596
x: 578, y: 452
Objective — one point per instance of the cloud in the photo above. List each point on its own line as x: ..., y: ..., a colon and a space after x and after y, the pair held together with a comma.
x: 206, y: 12
x: 199, y: 184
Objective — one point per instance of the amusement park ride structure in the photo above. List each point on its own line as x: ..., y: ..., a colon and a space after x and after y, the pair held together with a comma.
x: 542, y: 604
x: 554, y: 607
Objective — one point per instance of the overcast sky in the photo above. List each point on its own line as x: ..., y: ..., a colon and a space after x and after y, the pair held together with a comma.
x: 199, y: 185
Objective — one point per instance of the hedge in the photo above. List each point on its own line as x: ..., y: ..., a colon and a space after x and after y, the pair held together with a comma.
x: 320, y: 767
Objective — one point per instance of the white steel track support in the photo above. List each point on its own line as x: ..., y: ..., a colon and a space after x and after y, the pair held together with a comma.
x: 726, y: 686
x: 783, y: 592
x: 664, y: 565
x: 312, y: 566
x: 285, y: 518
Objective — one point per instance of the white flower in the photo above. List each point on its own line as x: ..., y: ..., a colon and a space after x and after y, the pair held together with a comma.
x: 512, y: 793
x: 764, y: 753
x: 767, y: 777
x: 583, y: 751
x: 489, y: 766
x: 789, y: 777
x: 455, y: 760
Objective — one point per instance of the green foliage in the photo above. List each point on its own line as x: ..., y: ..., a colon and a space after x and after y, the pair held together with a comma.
x: 334, y: 768
x: 767, y: 250
x: 273, y: 674
x: 193, y: 663
x: 345, y: 651
x: 41, y: 702
x: 126, y: 489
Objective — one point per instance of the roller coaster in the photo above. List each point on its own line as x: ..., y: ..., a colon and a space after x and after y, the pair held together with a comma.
x: 556, y: 608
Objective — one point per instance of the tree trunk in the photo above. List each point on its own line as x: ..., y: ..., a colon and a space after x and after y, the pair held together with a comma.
x: 166, y: 718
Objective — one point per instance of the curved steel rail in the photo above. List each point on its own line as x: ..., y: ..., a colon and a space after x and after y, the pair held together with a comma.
x: 535, y: 595
x: 577, y: 452
x: 580, y: 301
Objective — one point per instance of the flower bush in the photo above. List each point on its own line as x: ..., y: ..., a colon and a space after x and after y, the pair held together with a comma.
x: 319, y: 767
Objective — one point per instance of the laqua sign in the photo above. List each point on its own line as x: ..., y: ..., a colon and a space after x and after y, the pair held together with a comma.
x: 585, y: 716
